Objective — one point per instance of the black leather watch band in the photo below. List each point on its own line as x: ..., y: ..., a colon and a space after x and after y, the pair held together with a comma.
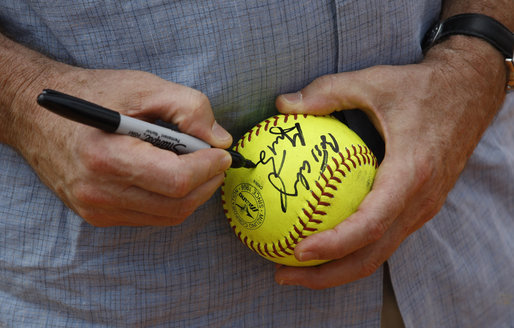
x: 476, y: 25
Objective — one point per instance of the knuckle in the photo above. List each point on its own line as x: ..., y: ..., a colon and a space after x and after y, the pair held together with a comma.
x: 368, y: 267
x: 92, y: 217
x: 135, y: 102
x: 424, y: 170
x: 376, y: 229
x: 317, y: 284
x: 326, y: 83
x: 199, y: 101
x: 95, y: 160
x: 86, y: 194
x: 316, y: 280
x: 185, y: 210
x: 181, y: 184
x: 199, y: 107
x: 430, y: 205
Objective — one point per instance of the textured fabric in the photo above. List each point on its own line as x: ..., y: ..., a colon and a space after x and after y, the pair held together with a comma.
x: 59, y: 271
x: 462, y: 261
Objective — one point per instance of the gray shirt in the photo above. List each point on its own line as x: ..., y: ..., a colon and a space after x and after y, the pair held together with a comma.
x: 59, y: 271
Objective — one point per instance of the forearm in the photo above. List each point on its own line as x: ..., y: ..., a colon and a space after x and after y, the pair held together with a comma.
x: 23, y: 73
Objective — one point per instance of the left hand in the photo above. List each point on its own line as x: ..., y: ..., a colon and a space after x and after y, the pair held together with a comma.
x: 431, y: 116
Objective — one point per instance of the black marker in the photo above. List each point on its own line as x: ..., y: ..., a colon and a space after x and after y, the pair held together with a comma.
x: 108, y: 120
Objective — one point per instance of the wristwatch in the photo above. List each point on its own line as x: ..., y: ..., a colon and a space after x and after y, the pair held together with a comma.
x: 480, y: 26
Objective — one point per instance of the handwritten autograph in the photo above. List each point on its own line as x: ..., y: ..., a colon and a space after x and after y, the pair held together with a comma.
x: 294, y: 137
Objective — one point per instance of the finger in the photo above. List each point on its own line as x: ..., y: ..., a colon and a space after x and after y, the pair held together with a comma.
x: 191, y: 111
x: 178, y: 177
x: 392, y: 188
x: 330, y: 93
x: 363, y: 262
x: 139, y: 200
x: 106, y: 218
x: 355, y: 266
x: 134, y: 162
x: 177, y: 209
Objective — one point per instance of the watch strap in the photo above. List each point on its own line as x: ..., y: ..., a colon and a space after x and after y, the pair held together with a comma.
x: 476, y: 25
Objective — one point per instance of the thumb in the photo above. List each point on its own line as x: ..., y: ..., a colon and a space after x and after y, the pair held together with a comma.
x: 191, y: 111
x: 327, y: 94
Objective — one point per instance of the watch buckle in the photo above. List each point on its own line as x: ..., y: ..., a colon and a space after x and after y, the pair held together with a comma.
x: 510, y: 74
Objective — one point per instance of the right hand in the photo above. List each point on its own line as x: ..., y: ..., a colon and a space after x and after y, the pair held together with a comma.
x: 111, y: 179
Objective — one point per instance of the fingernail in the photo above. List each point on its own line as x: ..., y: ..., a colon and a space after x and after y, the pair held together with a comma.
x: 226, y: 162
x: 307, y: 256
x: 293, y: 98
x: 284, y: 282
x: 220, y: 133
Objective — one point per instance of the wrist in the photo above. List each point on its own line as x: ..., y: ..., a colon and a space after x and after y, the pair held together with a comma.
x: 478, y: 26
x: 476, y: 64
x: 23, y: 74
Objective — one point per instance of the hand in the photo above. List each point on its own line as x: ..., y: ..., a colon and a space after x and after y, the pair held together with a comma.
x: 431, y: 116
x: 111, y: 179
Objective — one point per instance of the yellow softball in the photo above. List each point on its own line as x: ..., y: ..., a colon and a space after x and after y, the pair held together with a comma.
x: 312, y: 172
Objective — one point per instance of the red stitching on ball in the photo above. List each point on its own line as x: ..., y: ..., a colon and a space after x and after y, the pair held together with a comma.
x: 289, y: 246
x: 276, y: 252
x: 295, y: 240
x: 350, y: 158
x: 335, y: 162
x: 312, y: 212
x: 363, y: 154
x: 268, y: 251
x: 316, y: 197
x: 356, y: 155
x: 283, y: 249
x: 299, y: 232
x: 301, y: 222
x: 267, y: 124
x: 331, y: 186
x: 259, y: 250
x: 324, y: 177
x: 252, y: 247
x: 258, y: 126
x: 327, y: 194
